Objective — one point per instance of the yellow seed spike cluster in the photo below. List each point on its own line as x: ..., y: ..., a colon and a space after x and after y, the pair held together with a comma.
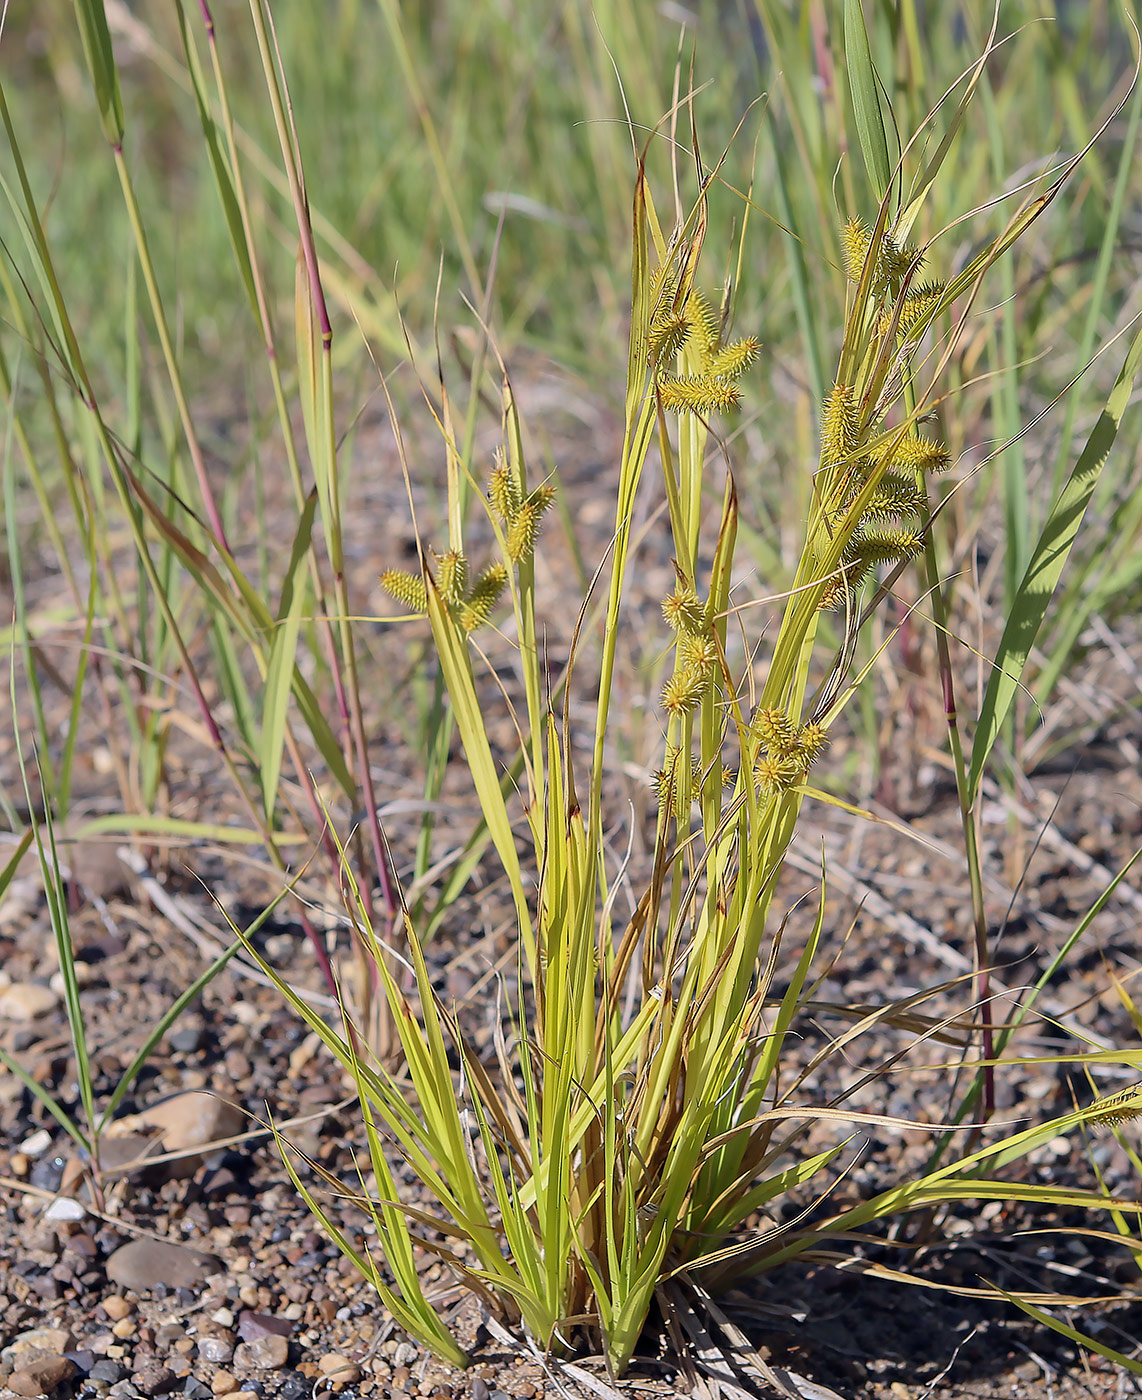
x: 895, y: 261
x: 408, y: 589
x: 522, y: 516
x: 503, y: 490
x: 783, y: 743
x: 698, y: 652
x: 855, y: 238
x: 523, y: 529
x: 703, y: 325
x: 812, y: 741
x: 775, y: 730
x: 838, y: 424
x: 683, y: 612
x: 668, y: 334
x: 775, y: 773
x: 896, y: 496
x: 452, y: 577
x: 485, y: 594
x: 1123, y: 1107
x: 694, y: 326
x: 698, y: 394
x: 916, y: 454
x: 682, y: 693
x: 918, y: 306
x: 736, y: 358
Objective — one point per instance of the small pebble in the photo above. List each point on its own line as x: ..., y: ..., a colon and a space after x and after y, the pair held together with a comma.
x: 116, y: 1307
x: 124, y: 1328
x: 338, y: 1369
x: 294, y: 1387
x: 195, y: 1390
x: 479, y: 1390
x: 266, y: 1353
x: 223, y: 1382
x: 154, y: 1379
x: 405, y: 1354
x: 109, y: 1371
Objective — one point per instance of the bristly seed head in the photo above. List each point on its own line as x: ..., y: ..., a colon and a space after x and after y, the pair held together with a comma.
x: 855, y: 238
x: 1123, y: 1107
x: 736, y: 358
x: 838, y: 424
x: 811, y: 742
x: 683, y: 612
x: 668, y: 334
x: 503, y: 489
x: 408, y: 589
x: 706, y: 393
x: 698, y: 652
x: 915, y: 454
x: 483, y: 597
x: 452, y: 577
x: 682, y: 693
x: 775, y: 731
x: 776, y: 774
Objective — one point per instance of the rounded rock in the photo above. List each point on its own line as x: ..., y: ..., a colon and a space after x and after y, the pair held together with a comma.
x: 267, y: 1353
x: 41, y: 1377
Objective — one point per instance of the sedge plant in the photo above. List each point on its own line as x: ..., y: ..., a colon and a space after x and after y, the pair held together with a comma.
x: 646, y: 1101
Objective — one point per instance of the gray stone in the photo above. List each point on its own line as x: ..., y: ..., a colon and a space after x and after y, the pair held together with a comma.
x: 268, y: 1353
x: 141, y: 1264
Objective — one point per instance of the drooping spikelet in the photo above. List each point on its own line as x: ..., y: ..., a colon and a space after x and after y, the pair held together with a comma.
x: 775, y: 731
x: 916, y: 454
x: 736, y: 358
x: 683, y: 611
x: 503, y: 489
x: 703, y: 326
x: 838, y: 424
x: 484, y: 595
x: 896, y: 496
x: 668, y: 334
x: 702, y: 393
x: 1123, y: 1107
x: 855, y: 238
x: 406, y: 588
x: 683, y: 691
x: 523, y: 530
x: 452, y: 577
x: 894, y: 263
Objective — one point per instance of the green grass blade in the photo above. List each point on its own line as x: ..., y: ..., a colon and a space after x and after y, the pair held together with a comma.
x: 865, y: 91
x: 1046, y: 566
x: 283, y: 655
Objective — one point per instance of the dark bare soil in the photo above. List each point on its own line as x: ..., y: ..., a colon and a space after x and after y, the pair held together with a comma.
x: 273, y: 1307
